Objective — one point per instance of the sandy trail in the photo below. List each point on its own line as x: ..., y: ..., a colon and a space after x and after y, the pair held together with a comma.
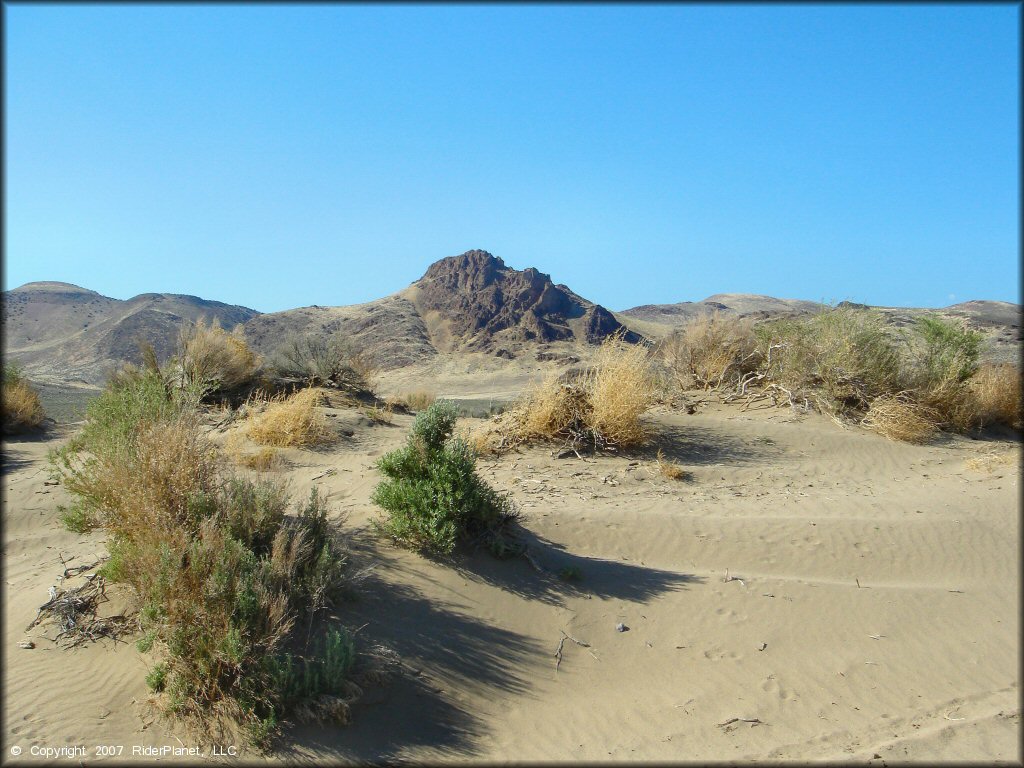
x: 873, y: 609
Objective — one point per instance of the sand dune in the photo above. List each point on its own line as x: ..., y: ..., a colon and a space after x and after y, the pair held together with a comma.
x: 871, y: 607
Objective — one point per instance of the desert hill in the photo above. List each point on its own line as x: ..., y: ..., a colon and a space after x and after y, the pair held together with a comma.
x: 468, y: 303
x: 61, y: 332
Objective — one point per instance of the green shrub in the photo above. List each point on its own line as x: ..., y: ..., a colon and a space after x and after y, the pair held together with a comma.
x: 226, y: 577
x: 431, y: 492
x: 842, y: 358
x: 949, y: 352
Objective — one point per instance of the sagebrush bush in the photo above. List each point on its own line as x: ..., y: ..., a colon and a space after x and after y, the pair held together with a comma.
x: 22, y: 409
x: 213, y: 359
x: 841, y: 358
x: 326, y: 359
x: 431, y: 492
x: 294, y: 420
x: 228, y: 581
x: 711, y: 351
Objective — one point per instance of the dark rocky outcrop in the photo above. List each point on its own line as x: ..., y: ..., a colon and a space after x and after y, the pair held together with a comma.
x: 481, y: 300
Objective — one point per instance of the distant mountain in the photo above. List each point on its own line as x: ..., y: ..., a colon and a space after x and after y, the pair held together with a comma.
x: 743, y: 304
x: 467, y: 303
x: 62, y: 332
x: 471, y: 303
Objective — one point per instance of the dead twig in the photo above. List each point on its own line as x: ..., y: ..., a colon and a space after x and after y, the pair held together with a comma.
x: 751, y: 720
x: 561, y: 643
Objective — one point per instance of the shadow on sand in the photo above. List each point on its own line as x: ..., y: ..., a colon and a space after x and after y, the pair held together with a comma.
x: 700, y: 445
x: 566, y: 574
x: 439, y: 647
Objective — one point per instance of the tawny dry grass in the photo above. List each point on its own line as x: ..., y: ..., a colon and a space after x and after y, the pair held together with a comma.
x: 996, y: 394
x: 292, y: 421
x: 601, y: 407
x: 381, y: 414
x: 669, y: 469
x: 262, y: 460
x: 899, y: 417
x: 208, y: 354
x: 621, y: 387
x: 992, y: 461
x: 21, y: 407
x: 419, y: 400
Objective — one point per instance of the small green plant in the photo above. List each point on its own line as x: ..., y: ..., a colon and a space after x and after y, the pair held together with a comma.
x: 157, y: 677
x: 431, y: 492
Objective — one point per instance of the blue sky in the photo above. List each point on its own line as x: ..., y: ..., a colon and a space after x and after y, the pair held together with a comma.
x: 282, y: 156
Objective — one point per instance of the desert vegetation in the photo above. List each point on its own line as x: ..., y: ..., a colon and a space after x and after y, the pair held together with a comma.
x: 21, y: 405
x: 229, y: 576
x: 846, y: 362
x: 288, y: 421
x: 326, y: 361
x: 416, y: 401
x: 431, y: 494
x: 599, y: 407
x: 211, y: 358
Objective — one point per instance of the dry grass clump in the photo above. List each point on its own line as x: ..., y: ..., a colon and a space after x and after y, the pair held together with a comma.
x: 417, y: 401
x: 381, y: 414
x: 22, y: 408
x: 214, y: 359
x: 900, y: 417
x: 996, y: 394
x: 600, y: 407
x: 991, y: 461
x: 621, y: 387
x: 711, y: 350
x: 289, y: 421
x: 669, y: 469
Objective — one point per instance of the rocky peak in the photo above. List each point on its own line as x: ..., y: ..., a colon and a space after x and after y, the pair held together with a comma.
x: 482, y: 300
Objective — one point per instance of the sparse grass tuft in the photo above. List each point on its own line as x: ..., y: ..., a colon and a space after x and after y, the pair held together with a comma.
x: 669, y: 469
x: 381, y: 414
x: 22, y: 408
x: 291, y: 421
x: 431, y: 492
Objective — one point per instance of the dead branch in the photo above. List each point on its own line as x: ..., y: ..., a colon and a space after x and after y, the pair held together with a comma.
x: 751, y: 720
x: 561, y: 643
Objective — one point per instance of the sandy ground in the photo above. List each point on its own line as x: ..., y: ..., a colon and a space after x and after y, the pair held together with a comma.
x: 872, y: 611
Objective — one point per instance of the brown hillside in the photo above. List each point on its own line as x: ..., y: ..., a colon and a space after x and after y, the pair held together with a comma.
x: 61, y: 332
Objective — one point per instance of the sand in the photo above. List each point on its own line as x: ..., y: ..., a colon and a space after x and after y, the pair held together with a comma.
x: 872, y: 609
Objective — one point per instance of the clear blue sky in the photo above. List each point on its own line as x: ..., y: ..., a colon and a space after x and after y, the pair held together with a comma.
x: 278, y: 156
